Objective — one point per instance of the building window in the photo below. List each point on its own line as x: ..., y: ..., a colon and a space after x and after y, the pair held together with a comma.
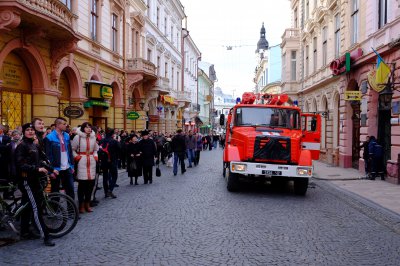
x: 148, y: 9
x: 315, y: 57
x: 295, y: 18
x: 177, y: 80
x: 149, y: 55
x: 306, y: 65
x: 382, y: 13
x: 307, y: 9
x: 67, y: 3
x: 354, y: 21
x: 165, y: 26
x: 136, y: 44
x: 337, y: 35
x: 166, y: 70
x: 158, y: 65
x: 172, y: 34
x: 293, y: 63
x: 158, y: 17
x: 324, y: 46
x: 114, y: 32
x: 94, y: 19
x: 172, y: 77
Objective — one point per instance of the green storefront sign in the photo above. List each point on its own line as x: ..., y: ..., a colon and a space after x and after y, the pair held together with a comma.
x: 91, y: 103
x: 132, y: 115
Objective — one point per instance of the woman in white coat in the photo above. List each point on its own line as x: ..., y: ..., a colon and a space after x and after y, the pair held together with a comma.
x: 85, y: 147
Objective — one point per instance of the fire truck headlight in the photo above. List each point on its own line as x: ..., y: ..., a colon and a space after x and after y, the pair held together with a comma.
x: 304, y: 171
x: 238, y: 167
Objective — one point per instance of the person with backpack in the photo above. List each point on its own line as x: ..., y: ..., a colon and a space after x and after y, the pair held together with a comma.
x: 108, y: 156
x: 85, y: 149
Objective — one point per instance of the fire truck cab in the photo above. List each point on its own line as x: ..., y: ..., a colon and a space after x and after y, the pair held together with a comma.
x: 271, y: 140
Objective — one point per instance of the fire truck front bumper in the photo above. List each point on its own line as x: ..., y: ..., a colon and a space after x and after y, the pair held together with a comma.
x: 269, y: 170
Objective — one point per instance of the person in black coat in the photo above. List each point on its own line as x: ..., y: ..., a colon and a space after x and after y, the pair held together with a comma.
x: 5, y: 142
x: 178, y: 146
x: 148, y: 152
x: 134, y: 166
x: 108, y: 155
x: 366, y: 156
x: 32, y: 165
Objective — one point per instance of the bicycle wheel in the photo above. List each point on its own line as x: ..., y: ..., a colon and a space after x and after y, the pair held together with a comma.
x: 60, y: 214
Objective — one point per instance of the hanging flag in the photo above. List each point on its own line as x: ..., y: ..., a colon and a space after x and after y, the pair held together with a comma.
x: 382, y: 70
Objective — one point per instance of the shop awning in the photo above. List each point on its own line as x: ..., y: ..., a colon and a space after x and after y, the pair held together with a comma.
x: 198, y: 120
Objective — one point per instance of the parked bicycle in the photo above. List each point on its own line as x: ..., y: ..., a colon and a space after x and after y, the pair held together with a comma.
x: 60, y: 213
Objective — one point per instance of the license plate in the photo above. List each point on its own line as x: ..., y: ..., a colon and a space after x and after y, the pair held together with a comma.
x: 271, y: 173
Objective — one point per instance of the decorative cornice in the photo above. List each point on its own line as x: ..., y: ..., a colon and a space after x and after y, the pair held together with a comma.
x: 137, y: 19
x: 9, y: 19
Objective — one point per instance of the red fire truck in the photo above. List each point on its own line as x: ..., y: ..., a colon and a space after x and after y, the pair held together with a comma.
x: 267, y: 138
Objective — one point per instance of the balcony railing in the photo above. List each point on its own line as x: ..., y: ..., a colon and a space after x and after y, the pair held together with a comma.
x: 291, y: 33
x: 184, y: 96
x: 52, y: 8
x: 142, y: 65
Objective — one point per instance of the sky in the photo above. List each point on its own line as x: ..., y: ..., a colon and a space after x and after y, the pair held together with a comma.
x: 216, y: 24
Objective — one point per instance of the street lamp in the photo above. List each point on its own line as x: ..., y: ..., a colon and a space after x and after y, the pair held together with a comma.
x: 385, y: 97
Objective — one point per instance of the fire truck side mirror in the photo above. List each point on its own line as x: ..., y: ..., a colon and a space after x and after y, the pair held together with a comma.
x: 222, y: 120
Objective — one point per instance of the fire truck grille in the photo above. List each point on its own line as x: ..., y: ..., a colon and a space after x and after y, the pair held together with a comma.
x: 272, y: 148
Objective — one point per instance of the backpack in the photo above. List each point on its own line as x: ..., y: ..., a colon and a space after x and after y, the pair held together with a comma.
x: 104, y: 154
x: 167, y: 147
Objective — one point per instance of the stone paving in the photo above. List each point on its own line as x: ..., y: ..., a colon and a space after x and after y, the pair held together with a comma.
x: 192, y: 219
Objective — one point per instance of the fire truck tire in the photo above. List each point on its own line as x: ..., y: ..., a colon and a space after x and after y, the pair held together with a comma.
x: 300, y: 186
x: 232, y: 182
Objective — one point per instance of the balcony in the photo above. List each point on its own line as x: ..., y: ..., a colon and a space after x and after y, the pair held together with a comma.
x: 290, y: 36
x: 184, y: 96
x: 47, y: 18
x: 142, y: 66
x: 162, y: 86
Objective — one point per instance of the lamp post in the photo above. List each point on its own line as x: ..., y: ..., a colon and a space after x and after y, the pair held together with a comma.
x: 385, y: 97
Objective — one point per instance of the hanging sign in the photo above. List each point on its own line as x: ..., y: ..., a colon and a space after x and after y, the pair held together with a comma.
x: 132, y: 115
x: 73, y: 111
x: 352, y: 95
x: 154, y: 118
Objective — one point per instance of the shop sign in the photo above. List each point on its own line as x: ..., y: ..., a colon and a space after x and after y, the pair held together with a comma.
x: 352, y: 95
x: 343, y: 64
x: 91, y: 103
x: 168, y: 99
x: 73, y: 111
x: 98, y: 90
x: 132, y: 115
x: 154, y: 118
x: 106, y: 92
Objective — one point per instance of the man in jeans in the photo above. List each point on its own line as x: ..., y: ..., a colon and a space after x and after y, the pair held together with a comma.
x: 190, y: 142
x: 108, y: 154
x: 59, y: 152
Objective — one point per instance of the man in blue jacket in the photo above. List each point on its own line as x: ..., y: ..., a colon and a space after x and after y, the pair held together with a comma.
x: 59, y: 152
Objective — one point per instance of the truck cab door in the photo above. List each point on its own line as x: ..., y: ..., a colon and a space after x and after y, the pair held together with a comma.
x: 311, y: 129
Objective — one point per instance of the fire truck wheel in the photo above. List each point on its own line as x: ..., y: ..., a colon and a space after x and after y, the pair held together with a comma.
x: 300, y: 186
x: 232, y: 182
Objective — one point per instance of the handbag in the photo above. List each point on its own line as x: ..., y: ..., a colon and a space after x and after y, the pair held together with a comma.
x: 133, y: 166
x: 158, y: 171
x: 76, y: 163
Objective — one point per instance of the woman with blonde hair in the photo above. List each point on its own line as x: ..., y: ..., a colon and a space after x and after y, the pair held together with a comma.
x: 84, y: 148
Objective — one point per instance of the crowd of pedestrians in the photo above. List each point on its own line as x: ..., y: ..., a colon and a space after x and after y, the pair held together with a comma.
x: 66, y: 156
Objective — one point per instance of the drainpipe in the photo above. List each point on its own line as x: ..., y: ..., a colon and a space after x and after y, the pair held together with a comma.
x: 197, y: 87
x: 124, y: 65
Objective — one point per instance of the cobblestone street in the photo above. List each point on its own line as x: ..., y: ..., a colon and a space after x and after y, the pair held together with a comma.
x: 192, y: 219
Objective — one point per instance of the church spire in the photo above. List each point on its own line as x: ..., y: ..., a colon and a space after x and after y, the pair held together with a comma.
x: 262, y: 44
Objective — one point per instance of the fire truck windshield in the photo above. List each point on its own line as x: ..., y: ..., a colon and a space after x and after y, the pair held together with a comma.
x: 270, y: 117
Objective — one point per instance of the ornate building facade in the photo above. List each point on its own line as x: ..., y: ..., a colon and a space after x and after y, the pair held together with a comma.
x: 113, y: 63
x: 324, y: 36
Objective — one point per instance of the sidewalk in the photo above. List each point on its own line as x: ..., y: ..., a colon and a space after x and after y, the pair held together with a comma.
x: 380, y: 192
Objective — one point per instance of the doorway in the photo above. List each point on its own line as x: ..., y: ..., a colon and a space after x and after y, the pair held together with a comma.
x: 384, y: 134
